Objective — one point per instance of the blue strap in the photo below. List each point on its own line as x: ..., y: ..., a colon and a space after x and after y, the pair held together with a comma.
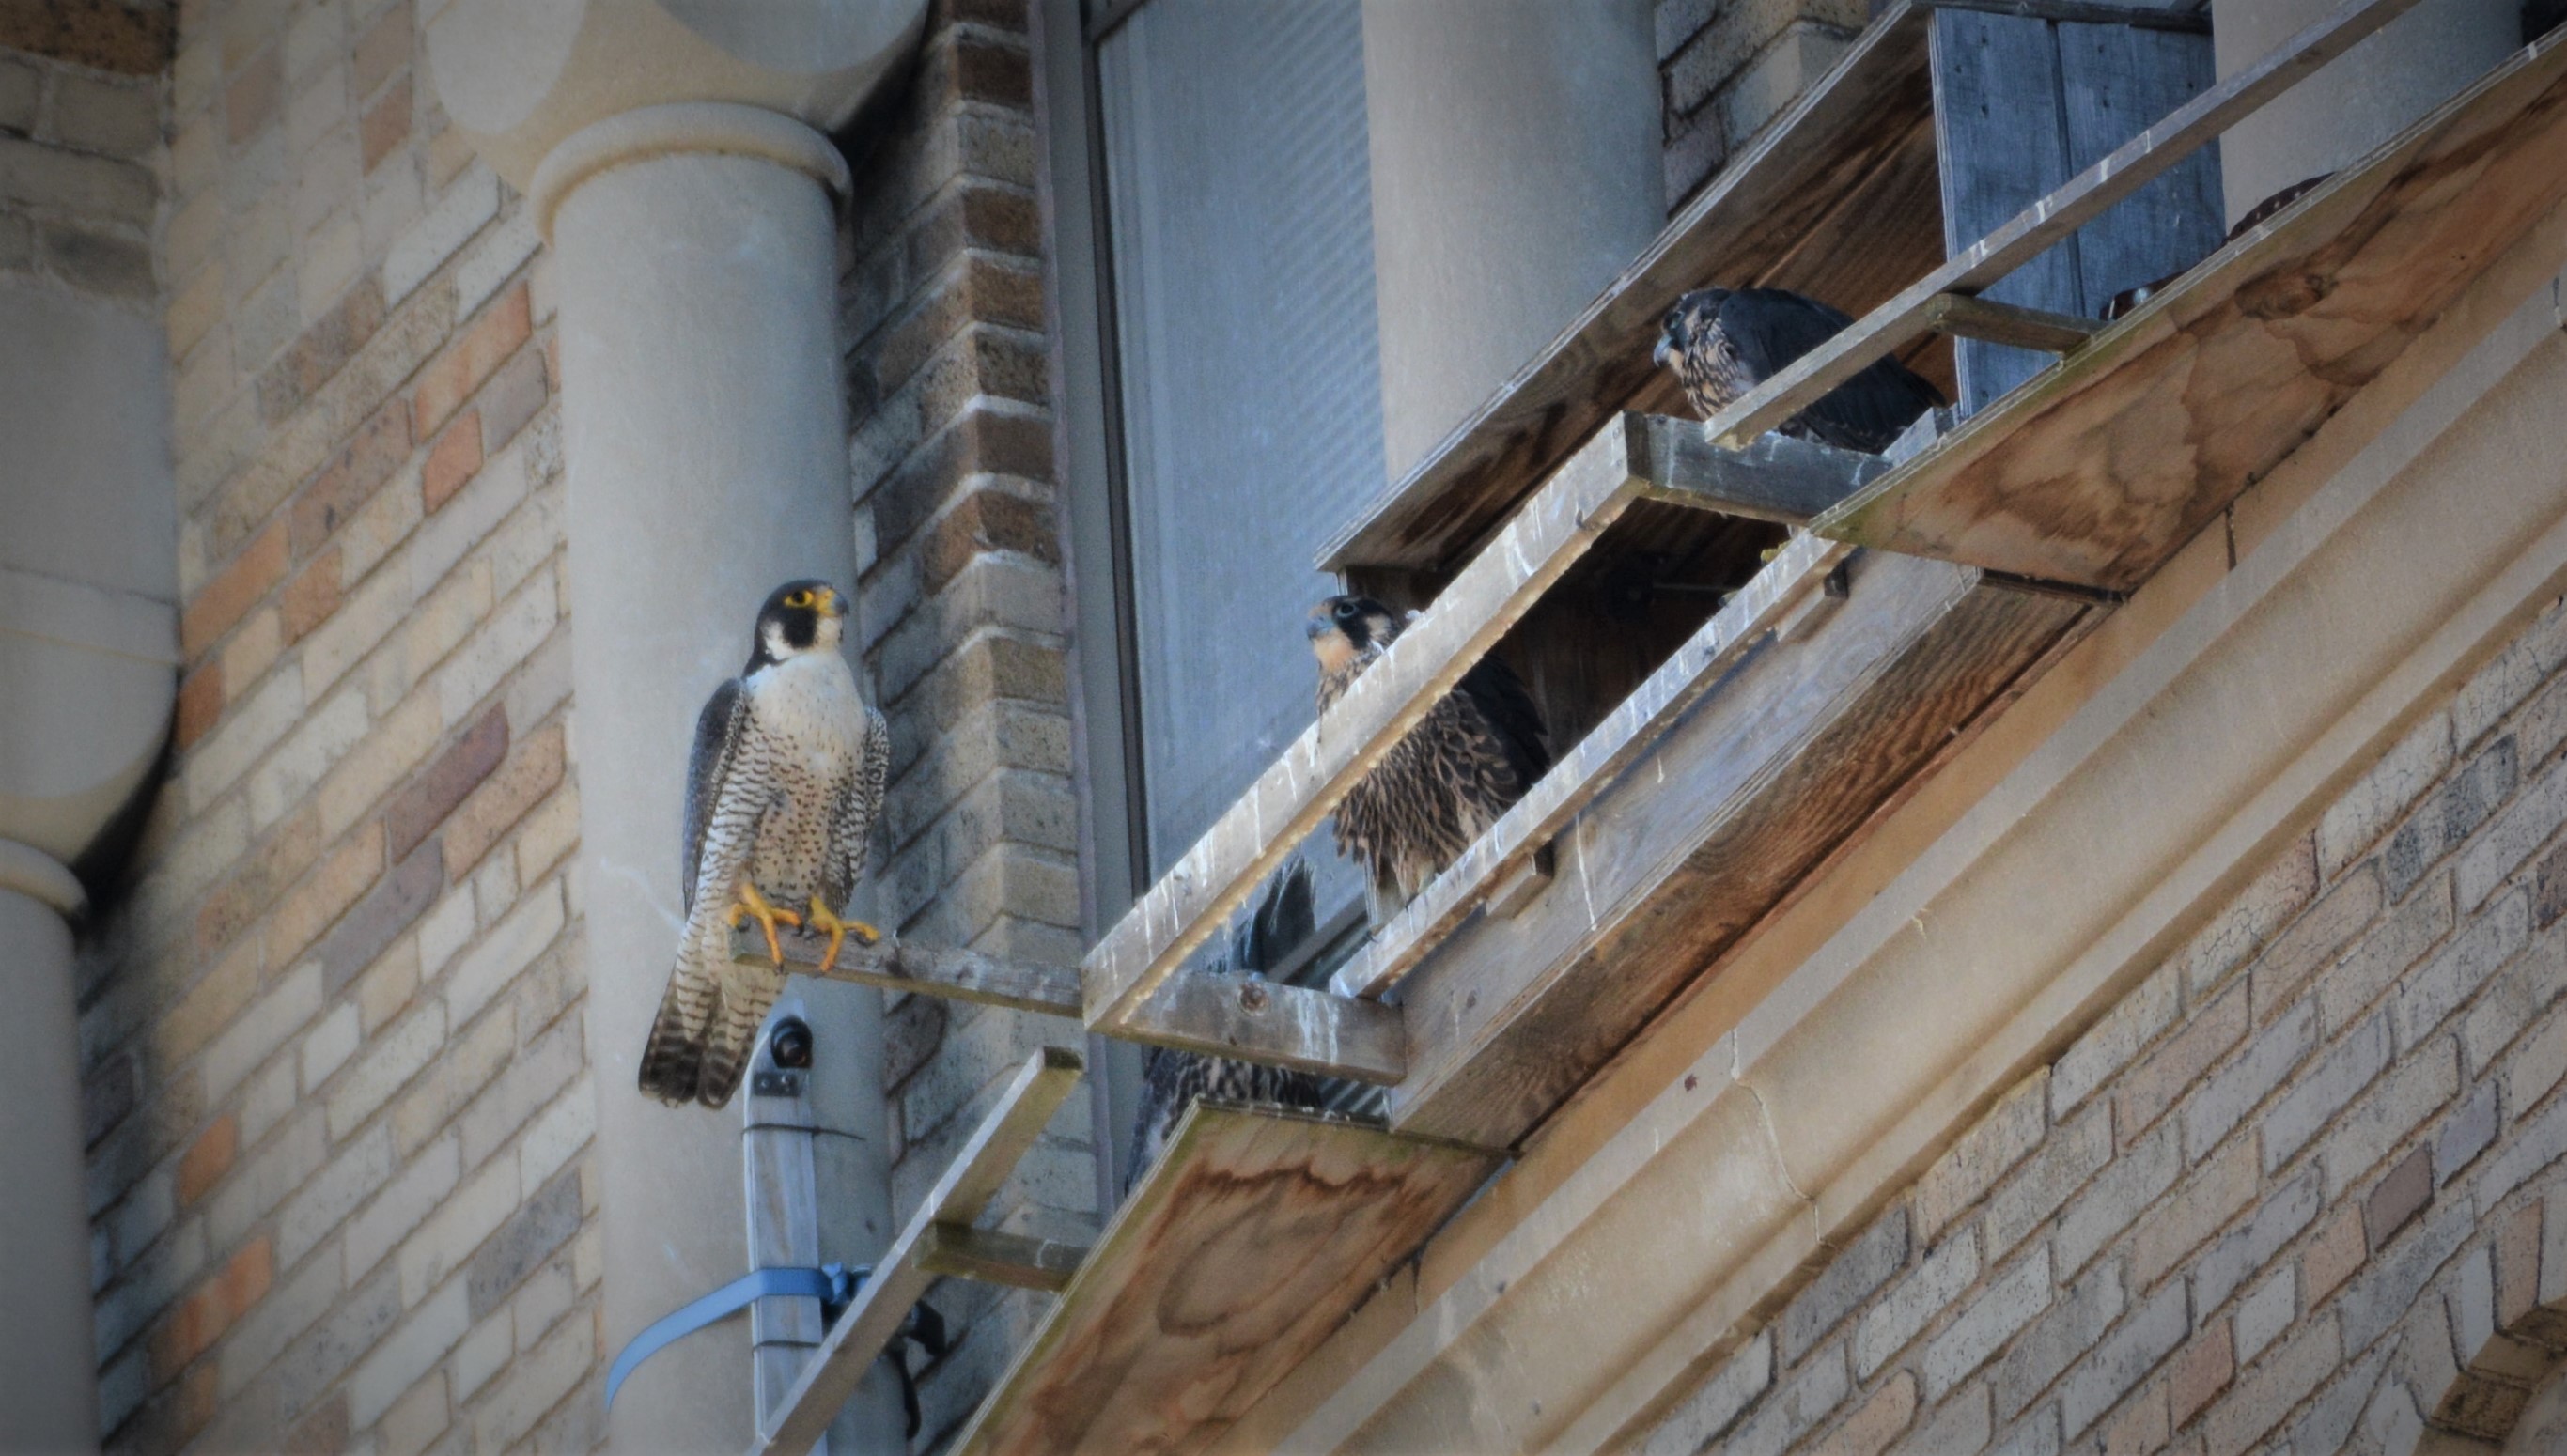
x: 833, y: 1284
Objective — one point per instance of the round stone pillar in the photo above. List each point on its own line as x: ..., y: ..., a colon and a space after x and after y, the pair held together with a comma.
x: 674, y: 157
x: 48, y: 1374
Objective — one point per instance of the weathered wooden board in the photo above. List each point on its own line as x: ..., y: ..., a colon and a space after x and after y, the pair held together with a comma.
x: 2144, y: 159
x: 2096, y: 472
x: 1775, y: 479
x: 1250, y: 1241
x: 1213, y: 879
x: 883, y: 1300
x: 1793, y: 750
x: 1767, y: 603
x: 1827, y: 201
x: 1232, y: 1016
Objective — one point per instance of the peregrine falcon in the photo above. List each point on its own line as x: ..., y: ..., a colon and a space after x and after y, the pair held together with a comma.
x: 1171, y: 1080
x: 781, y: 791
x: 1465, y: 763
x: 1723, y: 342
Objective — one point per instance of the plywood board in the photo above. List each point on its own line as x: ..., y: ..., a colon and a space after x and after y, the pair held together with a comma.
x: 1252, y: 1238
x: 1805, y: 739
x: 2096, y: 472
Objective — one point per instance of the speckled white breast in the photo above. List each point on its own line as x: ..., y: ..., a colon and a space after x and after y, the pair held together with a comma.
x: 811, y: 728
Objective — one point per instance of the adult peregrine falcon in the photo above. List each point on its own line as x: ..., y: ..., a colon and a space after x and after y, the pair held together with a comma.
x: 1723, y: 342
x: 781, y: 791
x: 1171, y: 1080
x: 1465, y: 763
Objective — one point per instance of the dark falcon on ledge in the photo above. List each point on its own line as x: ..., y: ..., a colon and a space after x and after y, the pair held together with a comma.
x: 1723, y: 342
x: 1474, y: 754
x: 1171, y: 1080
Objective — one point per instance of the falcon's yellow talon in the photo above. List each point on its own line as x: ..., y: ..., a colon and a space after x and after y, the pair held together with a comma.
x: 750, y: 905
x: 826, y: 922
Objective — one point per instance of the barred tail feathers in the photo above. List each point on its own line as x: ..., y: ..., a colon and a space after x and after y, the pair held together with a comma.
x: 747, y: 993
x: 672, y: 1057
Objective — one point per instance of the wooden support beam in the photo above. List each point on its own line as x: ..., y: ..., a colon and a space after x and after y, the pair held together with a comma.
x: 1243, y: 1248
x: 961, y: 1251
x: 1965, y: 317
x: 1774, y: 478
x: 1251, y: 840
x: 1227, y: 1015
x: 900, y: 1276
x: 1769, y: 600
x: 2098, y: 470
x: 1902, y: 321
x: 1808, y: 734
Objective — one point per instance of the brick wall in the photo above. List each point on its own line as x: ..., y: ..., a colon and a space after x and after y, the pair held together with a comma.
x: 964, y: 622
x: 2300, y: 1189
x: 79, y: 128
x: 337, y: 1084
x: 1727, y: 66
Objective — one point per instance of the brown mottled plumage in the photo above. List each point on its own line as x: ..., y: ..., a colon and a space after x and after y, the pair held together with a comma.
x: 1476, y: 753
x: 1723, y: 342
x: 1171, y: 1080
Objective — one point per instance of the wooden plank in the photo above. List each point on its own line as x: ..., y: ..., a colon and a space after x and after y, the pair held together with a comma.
x: 1807, y: 736
x: 1246, y: 1244
x: 961, y: 1252
x: 2000, y: 119
x: 2115, y: 81
x: 2131, y: 17
x: 1231, y: 1015
x: 1775, y: 479
x: 2101, y: 470
x: 1800, y: 209
x: 1900, y: 321
x: 1767, y: 602
x: 1216, y: 876
x: 882, y: 1303
x: 2004, y: 323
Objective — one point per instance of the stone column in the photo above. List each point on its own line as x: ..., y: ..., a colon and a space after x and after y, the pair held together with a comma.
x: 2369, y: 94
x: 674, y: 159
x: 47, y: 1371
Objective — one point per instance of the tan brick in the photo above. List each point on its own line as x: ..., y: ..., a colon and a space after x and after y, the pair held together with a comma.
x: 382, y: 50
x: 265, y: 1332
x: 350, y: 479
x: 322, y: 351
x: 2004, y: 1304
x: 259, y: 879
x: 2169, y: 1072
x: 558, y: 1133
x: 470, y: 360
x: 249, y: 102
x: 536, y: 1383
x: 391, y: 748
x: 333, y: 886
x: 284, y: 782
x: 1879, y: 1420
x: 2398, y: 1197
x: 421, y: 1414
x: 254, y: 648
x: 422, y: 1186
x: 533, y: 1078
x: 201, y: 702
x: 257, y: 1033
x: 386, y: 124
x: 209, y: 1158
x: 534, y: 771
x: 434, y: 794
x: 451, y: 462
x: 549, y: 832
x: 208, y: 1005
x: 2029, y: 1197
x: 442, y: 1244
x: 2314, y: 940
x: 384, y: 992
x: 232, y: 592
x: 390, y: 1061
x: 510, y: 398
x: 2217, y: 1192
x: 197, y: 1322
x: 511, y: 636
x: 337, y: 1191
x: 2254, y: 1405
x: 312, y: 596
x: 2200, y: 1371
x: 471, y: 1061
x: 417, y: 1344
x: 2259, y: 911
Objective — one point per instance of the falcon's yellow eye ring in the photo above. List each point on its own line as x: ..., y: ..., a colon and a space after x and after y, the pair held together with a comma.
x: 798, y: 599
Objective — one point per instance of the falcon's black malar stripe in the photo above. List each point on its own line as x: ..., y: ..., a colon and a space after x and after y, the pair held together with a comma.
x: 1723, y: 342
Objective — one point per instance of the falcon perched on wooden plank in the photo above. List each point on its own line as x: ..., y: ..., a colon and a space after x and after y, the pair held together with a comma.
x: 1723, y: 342
x: 1171, y: 1080
x: 1476, y: 753
x: 782, y: 788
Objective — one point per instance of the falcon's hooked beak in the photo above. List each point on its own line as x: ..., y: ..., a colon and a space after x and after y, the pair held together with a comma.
x: 830, y: 603
x: 1664, y: 355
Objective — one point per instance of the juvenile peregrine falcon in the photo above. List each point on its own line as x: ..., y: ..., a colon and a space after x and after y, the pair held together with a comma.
x: 1465, y: 763
x: 1723, y: 342
x: 1171, y: 1080
x: 782, y: 790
